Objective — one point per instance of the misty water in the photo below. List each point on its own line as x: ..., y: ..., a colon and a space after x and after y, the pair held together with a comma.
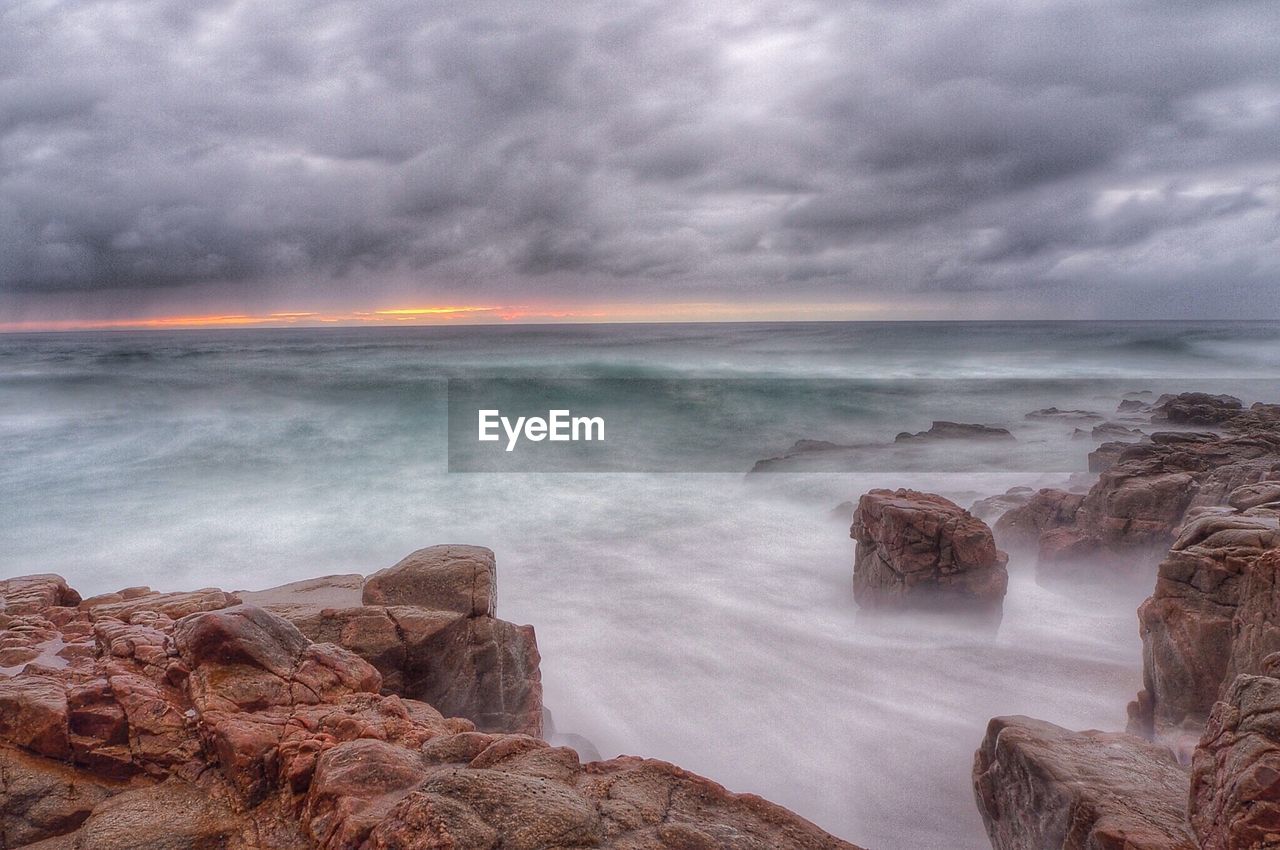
x: 705, y: 618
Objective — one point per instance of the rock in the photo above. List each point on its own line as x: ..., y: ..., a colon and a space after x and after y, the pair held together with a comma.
x: 447, y: 578
x: 993, y: 507
x: 956, y: 431
x: 919, y: 550
x: 230, y: 729
x: 171, y: 605
x: 1235, y: 773
x: 815, y: 446
x: 1041, y: 786
x: 1056, y: 415
x: 1046, y: 509
x: 1197, y: 409
x: 41, y: 798
x: 1214, y: 591
x: 1114, y: 430
x: 31, y: 594
x: 1132, y: 405
x: 1255, y: 495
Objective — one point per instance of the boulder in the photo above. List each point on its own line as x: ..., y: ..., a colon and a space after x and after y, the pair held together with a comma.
x: 31, y: 594
x: 920, y: 550
x: 993, y: 507
x: 445, y: 578
x: 1040, y: 786
x: 1235, y: 773
x: 1046, y: 509
x: 1212, y: 616
x: 1197, y: 409
x: 41, y: 798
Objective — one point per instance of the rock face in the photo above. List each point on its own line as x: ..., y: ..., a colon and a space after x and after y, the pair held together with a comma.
x: 956, y: 431
x: 229, y: 728
x: 1235, y: 782
x: 427, y: 625
x: 919, y: 550
x: 1215, y: 613
x: 1132, y: 514
x: 1197, y: 409
x: 1041, y: 787
x: 1045, y: 510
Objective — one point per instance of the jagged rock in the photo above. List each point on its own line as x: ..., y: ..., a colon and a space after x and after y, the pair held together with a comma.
x: 41, y: 798
x: 956, y: 431
x: 1212, y: 616
x: 35, y: 593
x: 919, y: 550
x: 230, y: 729
x: 1041, y: 786
x: 1197, y: 409
x: 1130, y: 516
x: 1235, y: 774
x: 445, y: 578
x: 1046, y: 509
x: 472, y: 666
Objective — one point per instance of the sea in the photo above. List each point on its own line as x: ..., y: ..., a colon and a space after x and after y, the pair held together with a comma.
x: 686, y: 608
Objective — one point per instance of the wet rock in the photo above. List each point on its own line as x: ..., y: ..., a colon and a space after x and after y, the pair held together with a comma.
x: 1040, y: 786
x: 993, y: 507
x: 1235, y: 784
x: 955, y: 431
x: 1045, y: 510
x: 1197, y: 409
x: 1255, y: 495
x: 1212, y: 616
x: 446, y: 578
x: 1053, y: 414
x: 919, y: 550
x: 31, y: 594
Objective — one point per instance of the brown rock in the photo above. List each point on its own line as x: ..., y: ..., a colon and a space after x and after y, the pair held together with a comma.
x: 921, y: 550
x: 171, y: 605
x: 448, y: 578
x: 1200, y: 609
x: 1045, y: 510
x: 1041, y: 786
x: 41, y: 798
x: 174, y: 815
x: 1235, y: 774
x: 956, y: 431
x: 35, y: 593
x: 1197, y: 409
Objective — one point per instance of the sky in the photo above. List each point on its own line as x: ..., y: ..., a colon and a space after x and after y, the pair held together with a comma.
x: 170, y: 162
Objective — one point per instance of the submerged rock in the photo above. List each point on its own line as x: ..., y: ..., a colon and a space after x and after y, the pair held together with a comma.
x: 1040, y: 786
x: 956, y: 431
x: 920, y: 550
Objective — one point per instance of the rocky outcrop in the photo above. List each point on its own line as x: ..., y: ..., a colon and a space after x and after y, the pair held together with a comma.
x: 1215, y: 613
x: 427, y: 625
x: 991, y: 508
x: 921, y: 551
x: 229, y: 728
x: 1053, y: 414
x: 1235, y: 774
x: 1045, y: 510
x: 1132, y: 514
x: 1040, y: 786
x: 1196, y: 409
x: 955, y: 431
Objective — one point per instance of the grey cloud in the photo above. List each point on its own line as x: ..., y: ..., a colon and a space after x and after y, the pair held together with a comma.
x: 537, y: 151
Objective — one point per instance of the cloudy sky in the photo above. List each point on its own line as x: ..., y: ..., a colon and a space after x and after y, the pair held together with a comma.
x: 899, y: 158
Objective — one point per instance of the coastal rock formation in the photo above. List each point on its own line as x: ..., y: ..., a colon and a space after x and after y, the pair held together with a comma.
x: 1215, y: 614
x: 427, y: 625
x: 1235, y: 774
x: 992, y: 508
x: 956, y: 431
x: 1040, y: 786
x: 1053, y: 414
x: 919, y: 550
x: 229, y: 728
x: 1044, y: 510
x: 1131, y: 515
x: 1196, y: 409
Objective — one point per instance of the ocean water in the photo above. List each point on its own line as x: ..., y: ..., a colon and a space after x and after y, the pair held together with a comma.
x: 685, y: 609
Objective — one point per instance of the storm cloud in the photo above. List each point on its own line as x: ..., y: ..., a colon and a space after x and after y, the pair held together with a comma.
x: 1074, y: 158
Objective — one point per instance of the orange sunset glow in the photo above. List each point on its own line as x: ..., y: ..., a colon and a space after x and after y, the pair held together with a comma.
x: 706, y: 311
